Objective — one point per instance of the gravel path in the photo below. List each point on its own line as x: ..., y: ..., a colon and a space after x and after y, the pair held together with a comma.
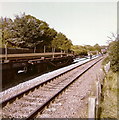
x: 73, y: 103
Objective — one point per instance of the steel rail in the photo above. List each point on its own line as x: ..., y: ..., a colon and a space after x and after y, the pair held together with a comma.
x: 40, y: 108
x: 19, y: 95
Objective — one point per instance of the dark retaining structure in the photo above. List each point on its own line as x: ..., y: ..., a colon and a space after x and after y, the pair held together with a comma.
x: 30, y: 64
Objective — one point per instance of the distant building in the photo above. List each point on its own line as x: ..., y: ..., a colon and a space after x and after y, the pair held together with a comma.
x: 104, y: 50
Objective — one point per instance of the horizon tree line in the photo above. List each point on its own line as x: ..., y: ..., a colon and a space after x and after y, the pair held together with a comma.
x: 26, y: 31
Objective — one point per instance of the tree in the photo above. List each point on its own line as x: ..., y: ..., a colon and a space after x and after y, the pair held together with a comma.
x: 79, y: 50
x: 60, y: 41
x: 5, y: 31
x: 114, y: 54
x: 89, y: 47
x: 49, y: 34
x: 27, y: 31
x: 97, y: 47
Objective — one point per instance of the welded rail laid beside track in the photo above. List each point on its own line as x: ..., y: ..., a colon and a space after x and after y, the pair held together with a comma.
x: 42, y: 93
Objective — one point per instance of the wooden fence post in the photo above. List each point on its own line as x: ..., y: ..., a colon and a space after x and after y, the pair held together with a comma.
x: 92, y: 108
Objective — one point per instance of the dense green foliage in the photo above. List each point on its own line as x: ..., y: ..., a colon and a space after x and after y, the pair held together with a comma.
x: 83, y: 50
x: 61, y: 42
x: 79, y: 50
x: 109, y: 106
x: 28, y: 32
x: 114, y: 54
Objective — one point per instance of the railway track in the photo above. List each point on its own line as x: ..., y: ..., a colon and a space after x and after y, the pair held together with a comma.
x: 29, y: 103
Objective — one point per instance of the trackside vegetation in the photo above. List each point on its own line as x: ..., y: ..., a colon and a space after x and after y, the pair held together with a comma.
x: 110, y: 91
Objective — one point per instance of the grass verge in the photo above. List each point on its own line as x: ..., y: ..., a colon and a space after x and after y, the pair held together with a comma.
x: 109, y: 92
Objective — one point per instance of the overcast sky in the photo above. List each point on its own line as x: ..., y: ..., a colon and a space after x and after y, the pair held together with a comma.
x: 85, y: 23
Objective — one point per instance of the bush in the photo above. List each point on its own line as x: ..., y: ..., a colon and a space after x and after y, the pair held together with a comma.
x: 109, y: 91
x: 114, y: 55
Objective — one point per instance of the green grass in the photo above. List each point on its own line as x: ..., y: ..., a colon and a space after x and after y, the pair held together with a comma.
x: 109, y: 91
x: 105, y: 61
